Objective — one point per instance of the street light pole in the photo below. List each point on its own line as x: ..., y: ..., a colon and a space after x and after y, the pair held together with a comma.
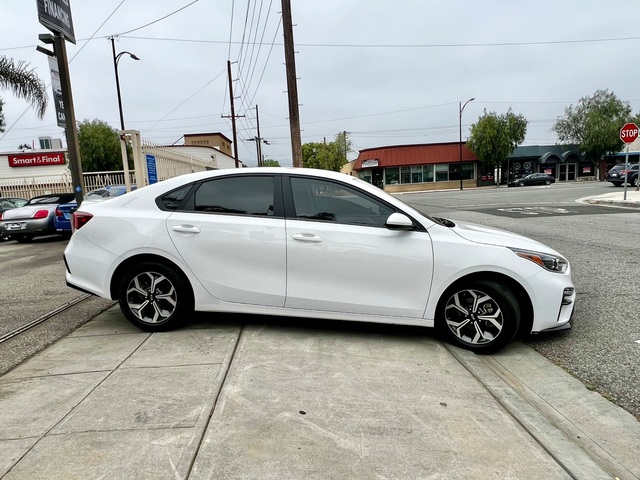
x: 461, y: 107
x: 116, y: 59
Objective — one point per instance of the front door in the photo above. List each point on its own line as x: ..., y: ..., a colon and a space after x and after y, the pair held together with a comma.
x: 341, y: 257
x: 562, y: 172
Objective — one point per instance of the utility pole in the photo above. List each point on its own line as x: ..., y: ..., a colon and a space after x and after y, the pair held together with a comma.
x: 258, y: 140
x: 292, y: 87
x: 233, y: 116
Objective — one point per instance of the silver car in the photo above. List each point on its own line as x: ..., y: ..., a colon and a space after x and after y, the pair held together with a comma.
x: 35, y: 218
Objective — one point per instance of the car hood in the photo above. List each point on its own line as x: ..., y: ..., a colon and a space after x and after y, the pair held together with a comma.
x: 26, y: 211
x: 495, y: 236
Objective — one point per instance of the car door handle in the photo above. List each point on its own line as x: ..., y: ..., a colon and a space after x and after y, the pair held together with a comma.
x: 186, y: 229
x: 306, y: 237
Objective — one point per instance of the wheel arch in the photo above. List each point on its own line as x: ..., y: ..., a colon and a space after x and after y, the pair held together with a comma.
x: 146, y: 257
x: 523, y: 299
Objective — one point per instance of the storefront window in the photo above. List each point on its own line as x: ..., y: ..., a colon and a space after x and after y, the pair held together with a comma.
x: 365, y: 175
x: 454, y: 171
x: 391, y: 176
x: 428, y: 173
x: 468, y: 171
x: 442, y: 172
x: 416, y: 174
x: 405, y: 174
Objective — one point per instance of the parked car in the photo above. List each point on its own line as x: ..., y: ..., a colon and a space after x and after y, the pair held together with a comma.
x: 62, y: 219
x: 7, y: 203
x: 311, y: 243
x: 35, y: 218
x: 533, y: 179
x: 618, y: 175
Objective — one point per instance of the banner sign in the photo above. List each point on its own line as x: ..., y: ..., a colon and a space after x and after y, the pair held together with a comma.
x: 370, y: 163
x: 56, y: 86
x: 56, y: 16
x: 36, y: 159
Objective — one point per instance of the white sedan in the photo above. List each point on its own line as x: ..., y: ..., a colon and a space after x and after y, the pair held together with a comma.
x: 311, y: 243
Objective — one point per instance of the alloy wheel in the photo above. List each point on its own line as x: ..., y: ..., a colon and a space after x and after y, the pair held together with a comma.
x: 151, y: 297
x: 474, y: 317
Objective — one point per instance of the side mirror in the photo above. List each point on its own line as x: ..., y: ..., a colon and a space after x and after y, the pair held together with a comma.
x: 399, y: 221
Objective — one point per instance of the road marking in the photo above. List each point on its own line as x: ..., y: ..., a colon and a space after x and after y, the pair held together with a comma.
x: 638, y: 341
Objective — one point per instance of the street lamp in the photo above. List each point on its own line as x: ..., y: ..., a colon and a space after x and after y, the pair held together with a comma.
x: 460, y: 118
x: 116, y: 59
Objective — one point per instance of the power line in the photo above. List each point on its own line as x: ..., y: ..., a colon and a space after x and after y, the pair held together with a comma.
x: 158, y: 20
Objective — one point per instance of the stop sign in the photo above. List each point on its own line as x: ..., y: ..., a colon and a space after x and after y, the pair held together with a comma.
x: 629, y: 133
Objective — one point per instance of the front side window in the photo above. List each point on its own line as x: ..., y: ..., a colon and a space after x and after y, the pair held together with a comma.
x: 236, y: 195
x: 318, y: 199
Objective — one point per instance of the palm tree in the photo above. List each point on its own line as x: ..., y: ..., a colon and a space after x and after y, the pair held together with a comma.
x: 24, y: 83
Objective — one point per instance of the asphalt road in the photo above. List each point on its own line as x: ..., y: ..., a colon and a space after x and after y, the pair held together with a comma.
x: 603, y: 349
x: 602, y: 245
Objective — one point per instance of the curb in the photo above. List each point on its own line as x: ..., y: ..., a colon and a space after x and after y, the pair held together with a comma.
x: 582, y: 459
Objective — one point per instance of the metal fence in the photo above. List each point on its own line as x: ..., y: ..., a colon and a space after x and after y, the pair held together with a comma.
x: 28, y: 187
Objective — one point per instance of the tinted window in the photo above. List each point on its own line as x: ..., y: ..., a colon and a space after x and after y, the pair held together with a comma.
x: 236, y: 195
x: 318, y: 199
x: 172, y: 200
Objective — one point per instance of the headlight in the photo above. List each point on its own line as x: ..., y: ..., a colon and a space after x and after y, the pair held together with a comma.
x: 552, y: 263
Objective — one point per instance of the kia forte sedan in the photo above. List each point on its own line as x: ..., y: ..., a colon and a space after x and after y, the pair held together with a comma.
x: 316, y: 244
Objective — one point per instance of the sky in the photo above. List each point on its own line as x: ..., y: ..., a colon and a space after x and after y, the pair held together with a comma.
x: 387, y: 73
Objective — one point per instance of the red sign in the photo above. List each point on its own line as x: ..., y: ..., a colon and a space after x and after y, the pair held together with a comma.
x: 629, y: 133
x: 36, y: 159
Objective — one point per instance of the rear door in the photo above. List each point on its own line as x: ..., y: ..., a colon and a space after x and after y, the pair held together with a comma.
x: 231, y: 234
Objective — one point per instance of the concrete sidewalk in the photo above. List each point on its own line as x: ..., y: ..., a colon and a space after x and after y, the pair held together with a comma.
x: 616, y: 198
x: 301, y: 400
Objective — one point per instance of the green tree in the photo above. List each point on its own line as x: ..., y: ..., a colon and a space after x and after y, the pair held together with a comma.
x: 594, y: 123
x: 268, y: 162
x: 100, y: 147
x: 493, y: 137
x: 327, y: 156
x: 24, y: 83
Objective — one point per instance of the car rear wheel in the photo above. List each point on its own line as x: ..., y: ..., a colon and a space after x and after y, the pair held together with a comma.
x: 547, y: 182
x: 154, y: 297
x: 479, y: 315
x: 616, y: 184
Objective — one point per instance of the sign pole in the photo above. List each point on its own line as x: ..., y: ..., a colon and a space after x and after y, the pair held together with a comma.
x: 73, y: 146
x: 626, y: 169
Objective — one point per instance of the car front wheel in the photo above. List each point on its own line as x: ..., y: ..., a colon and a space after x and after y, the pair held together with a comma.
x: 521, y: 184
x: 480, y: 315
x: 547, y: 182
x: 154, y: 297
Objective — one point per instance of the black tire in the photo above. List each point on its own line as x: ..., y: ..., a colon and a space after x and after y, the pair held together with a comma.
x: 521, y: 184
x: 479, y: 315
x: 616, y: 184
x: 170, y: 302
x: 22, y: 238
x: 547, y: 182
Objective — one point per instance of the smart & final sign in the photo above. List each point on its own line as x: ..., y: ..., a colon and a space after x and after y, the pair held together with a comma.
x: 36, y: 160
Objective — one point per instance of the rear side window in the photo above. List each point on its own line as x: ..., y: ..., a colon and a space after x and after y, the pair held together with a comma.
x: 172, y: 200
x: 236, y: 195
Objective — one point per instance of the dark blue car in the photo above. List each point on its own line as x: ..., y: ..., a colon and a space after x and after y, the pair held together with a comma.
x: 62, y: 219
